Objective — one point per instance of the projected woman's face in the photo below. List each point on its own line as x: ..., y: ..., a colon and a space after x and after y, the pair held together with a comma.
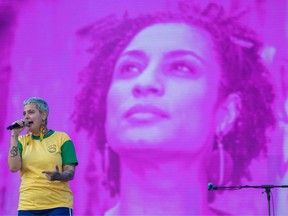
x: 164, y: 91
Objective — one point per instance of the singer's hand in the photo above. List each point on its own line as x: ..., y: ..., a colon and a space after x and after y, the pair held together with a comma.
x: 53, y: 175
x: 22, y: 124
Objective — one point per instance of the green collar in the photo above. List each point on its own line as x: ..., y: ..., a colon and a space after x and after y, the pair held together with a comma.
x: 50, y: 132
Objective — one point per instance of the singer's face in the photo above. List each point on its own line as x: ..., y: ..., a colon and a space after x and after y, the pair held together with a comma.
x: 164, y: 91
x: 31, y: 113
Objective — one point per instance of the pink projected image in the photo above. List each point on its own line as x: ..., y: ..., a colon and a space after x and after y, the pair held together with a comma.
x: 180, y: 100
x: 161, y: 99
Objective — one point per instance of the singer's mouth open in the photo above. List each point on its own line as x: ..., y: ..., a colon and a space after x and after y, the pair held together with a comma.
x: 27, y: 123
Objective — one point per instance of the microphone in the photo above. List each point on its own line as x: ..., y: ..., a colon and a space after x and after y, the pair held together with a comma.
x: 16, y: 125
x: 211, y: 186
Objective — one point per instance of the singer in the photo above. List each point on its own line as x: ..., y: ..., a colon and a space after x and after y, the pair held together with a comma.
x: 46, y: 160
x: 179, y: 100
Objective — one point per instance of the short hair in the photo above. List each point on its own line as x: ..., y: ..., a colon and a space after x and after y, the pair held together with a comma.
x: 243, y: 73
x: 40, y: 104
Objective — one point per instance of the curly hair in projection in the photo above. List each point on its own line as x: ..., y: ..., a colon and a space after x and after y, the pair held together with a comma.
x: 243, y: 73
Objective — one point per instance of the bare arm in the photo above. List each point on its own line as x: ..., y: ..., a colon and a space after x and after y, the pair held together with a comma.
x: 68, y: 172
x: 14, y: 159
x: 66, y: 175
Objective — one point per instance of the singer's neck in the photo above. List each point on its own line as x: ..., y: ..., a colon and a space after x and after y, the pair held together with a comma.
x: 37, y: 133
x: 176, y: 187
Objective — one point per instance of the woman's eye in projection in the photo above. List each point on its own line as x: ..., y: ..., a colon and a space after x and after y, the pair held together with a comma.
x: 182, y: 69
x: 128, y: 69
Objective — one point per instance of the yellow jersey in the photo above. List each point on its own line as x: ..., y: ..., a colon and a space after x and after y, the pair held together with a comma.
x: 36, y: 192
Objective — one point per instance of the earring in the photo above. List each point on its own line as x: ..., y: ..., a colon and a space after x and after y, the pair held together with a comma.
x: 106, y: 158
x: 111, y: 170
x: 221, y: 159
x: 42, y: 130
x: 106, y: 166
x: 220, y: 163
x: 28, y: 137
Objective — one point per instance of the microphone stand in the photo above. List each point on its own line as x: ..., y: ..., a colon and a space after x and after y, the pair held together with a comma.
x: 266, y: 187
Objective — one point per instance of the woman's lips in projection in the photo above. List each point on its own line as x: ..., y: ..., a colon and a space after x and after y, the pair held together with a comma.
x: 145, y: 114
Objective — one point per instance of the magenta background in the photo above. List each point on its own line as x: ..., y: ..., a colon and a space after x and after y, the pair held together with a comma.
x: 46, y: 57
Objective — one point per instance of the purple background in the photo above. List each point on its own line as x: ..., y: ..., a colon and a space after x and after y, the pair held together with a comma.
x: 45, y: 55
